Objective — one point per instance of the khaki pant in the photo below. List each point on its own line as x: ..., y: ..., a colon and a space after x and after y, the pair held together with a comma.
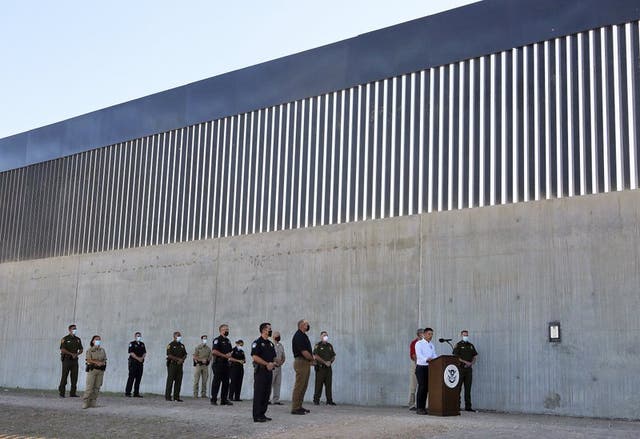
x: 413, y: 384
x: 201, y: 371
x: 94, y: 382
x: 302, y: 368
x: 276, y: 381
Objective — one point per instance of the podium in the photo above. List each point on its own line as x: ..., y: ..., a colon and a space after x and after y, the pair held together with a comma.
x: 444, y: 386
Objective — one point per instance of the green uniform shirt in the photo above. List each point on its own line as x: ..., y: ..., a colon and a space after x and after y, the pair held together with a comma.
x: 465, y: 350
x: 176, y: 349
x: 71, y: 343
x: 324, y: 351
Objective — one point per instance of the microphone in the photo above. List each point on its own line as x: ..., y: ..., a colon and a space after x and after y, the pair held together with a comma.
x: 444, y: 340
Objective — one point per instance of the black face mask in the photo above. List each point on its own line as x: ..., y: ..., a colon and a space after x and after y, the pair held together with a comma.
x: 269, y: 333
x: 308, y: 327
x: 277, y: 338
x: 226, y: 333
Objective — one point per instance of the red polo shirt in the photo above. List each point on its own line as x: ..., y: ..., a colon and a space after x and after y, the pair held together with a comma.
x: 412, y: 348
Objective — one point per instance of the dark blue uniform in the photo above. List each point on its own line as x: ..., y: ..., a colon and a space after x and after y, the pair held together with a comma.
x: 262, y: 376
x: 220, y: 369
x: 135, y: 368
x: 236, y: 374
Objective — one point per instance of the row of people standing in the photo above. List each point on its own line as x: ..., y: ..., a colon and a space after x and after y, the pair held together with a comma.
x: 227, y: 365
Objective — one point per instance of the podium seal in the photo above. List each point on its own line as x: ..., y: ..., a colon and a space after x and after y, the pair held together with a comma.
x: 451, y: 376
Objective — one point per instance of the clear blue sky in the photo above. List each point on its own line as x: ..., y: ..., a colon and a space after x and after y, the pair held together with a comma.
x: 60, y: 59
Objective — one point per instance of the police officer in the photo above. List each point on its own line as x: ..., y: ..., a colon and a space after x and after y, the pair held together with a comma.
x: 201, y: 358
x: 466, y: 353
x: 70, y: 348
x: 325, y: 356
x: 137, y: 353
x: 221, y: 350
x: 236, y: 371
x: 176, y: 354
x: 96, y: 361
x: 263, y: 353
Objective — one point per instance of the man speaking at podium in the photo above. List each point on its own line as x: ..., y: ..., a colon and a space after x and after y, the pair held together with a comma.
x: 425, y: 352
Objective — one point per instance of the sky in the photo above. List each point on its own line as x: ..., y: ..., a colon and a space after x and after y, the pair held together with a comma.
x: 66, y: 58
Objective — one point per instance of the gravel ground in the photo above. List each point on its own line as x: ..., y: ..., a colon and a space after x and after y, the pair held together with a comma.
x: 42, y: 414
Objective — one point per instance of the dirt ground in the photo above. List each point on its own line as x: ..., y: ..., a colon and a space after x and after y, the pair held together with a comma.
x: 42, y: 414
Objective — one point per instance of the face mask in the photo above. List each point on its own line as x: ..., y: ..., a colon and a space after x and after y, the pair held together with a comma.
x: 73, y: 331
x: 308, y: 327
x: 325, y: 338
x: 204, y: 340
x: 97, y: 342
x: 138, y: 338
x: 269, y: 333
x: 179, y: 338
x: 277, y: 339
x: 465, y: 338
x: 239, y: 348
x: 226, y: 333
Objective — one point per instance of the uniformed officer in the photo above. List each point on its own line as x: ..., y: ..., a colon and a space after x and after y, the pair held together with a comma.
x: 70, y: 348
x: 262, y: 353
x: 96, y: 361
x: 221, y: 350
x: 466, y: 353
x: 201, y: 359
x: 236, y: 371
x: 325, y: 356
x: 277, y: 372
x: 176, y: 354
x: 137, y: 354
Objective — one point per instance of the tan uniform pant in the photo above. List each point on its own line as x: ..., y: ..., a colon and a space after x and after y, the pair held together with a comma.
x: 302, y: 368
x: 413, y: 384
x: 201, y: 371
x: 276, y: 381
x: 94, y: 382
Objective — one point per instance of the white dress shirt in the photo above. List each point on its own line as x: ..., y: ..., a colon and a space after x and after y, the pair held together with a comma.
x: 425, y: 352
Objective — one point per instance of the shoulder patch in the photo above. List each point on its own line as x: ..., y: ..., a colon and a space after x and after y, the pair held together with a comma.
x: 254, y: 345
x: 169, y: 346
x: 215, y: 341
x: 130, y: 344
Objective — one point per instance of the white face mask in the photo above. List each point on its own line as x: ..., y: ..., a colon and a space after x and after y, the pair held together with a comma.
x: 97, y: 342
x: 138, y: 338
x: 179, y: 338
x: 204, y: 341
x: 325, y: 338
x: 239, y: 348
x: 465, y: 338
x: 74, y: 331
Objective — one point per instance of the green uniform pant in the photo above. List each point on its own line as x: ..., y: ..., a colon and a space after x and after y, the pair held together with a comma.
x: 201, y: 371
x: 174, y: 379
x: 94, y: 382
x: 323, y: 377
x: 69, y: 366
x: 302, y: 368
x: 466, y: 377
